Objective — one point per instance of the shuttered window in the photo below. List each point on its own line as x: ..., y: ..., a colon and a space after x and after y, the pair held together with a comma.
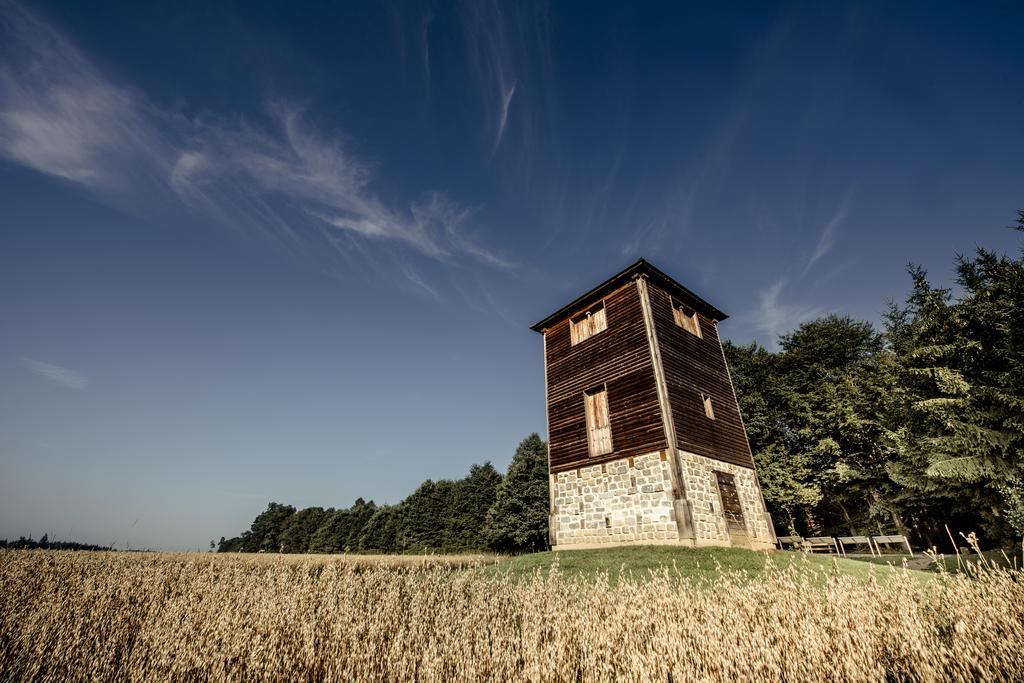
x: 587, y: 324
x: 709, y: 409
x: 686, y: 318
x: 599, y: 429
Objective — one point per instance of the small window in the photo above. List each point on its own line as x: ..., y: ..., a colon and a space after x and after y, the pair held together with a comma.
x: 709, y: 409
x: 686, y: 318
x: 587, y: 324
x: 599, y: 430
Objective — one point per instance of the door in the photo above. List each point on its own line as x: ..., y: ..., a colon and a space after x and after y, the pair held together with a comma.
x: 731, y: 508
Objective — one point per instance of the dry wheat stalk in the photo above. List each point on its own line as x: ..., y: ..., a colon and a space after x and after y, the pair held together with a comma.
x: 109, y: 616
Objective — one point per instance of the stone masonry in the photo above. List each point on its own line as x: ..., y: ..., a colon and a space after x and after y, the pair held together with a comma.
x: 630, y: 501
x: 623, y: 501
x: 706, y: 504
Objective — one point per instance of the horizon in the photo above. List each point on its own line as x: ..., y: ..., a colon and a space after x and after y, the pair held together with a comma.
x: 251, y: 254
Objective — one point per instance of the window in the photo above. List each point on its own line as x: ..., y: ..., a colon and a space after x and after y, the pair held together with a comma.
x: 587, y: 324
x: 599, y: 430
x: 686, y: 318
x: 709, y: 409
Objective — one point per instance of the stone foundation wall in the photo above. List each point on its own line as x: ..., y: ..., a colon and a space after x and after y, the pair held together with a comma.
x: 702, y: 491
x: 623, y: 501
x: 630, y: 501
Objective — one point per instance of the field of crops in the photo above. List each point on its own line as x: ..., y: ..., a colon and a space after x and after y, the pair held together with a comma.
x: 109, y: 616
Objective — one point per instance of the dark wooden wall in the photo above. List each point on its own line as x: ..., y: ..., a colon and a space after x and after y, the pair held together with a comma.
x: 618, y: 357
x: 693, y: 365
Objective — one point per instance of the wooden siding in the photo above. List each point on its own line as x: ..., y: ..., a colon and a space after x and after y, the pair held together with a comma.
x: 617, y: 357
x: 693, y: 365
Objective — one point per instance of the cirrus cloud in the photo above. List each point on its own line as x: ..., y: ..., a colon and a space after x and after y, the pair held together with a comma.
x: 57, y: 374
x: 285, y: 179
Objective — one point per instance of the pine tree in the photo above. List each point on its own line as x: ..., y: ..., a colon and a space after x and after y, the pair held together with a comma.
x: 518, y: 520
x: 962, y: 369
x: 471, y: 499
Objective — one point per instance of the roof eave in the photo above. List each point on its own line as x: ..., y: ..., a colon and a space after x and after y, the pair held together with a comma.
x: 640, y: 268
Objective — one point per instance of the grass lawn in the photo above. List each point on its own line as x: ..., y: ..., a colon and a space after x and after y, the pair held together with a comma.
x: 694, y: 564
x: 922, y: 562
x: 992, y: 557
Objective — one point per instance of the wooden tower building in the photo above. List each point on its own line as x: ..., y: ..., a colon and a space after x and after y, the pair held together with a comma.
x: 646, y: 442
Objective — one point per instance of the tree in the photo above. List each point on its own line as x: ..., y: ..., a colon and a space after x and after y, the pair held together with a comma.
x: 518, y: 520
x: 783, y: 465
x: 298, y: 530
x: 812, y: 413
x: 423, y: 517
x: 340, y: 529
x: 265, y: 533
x: 380, y: 534
x: 470, y: 501
x: 962, y: 373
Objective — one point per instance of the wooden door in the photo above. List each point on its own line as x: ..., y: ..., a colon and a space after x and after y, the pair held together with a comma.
x: 731, y: 503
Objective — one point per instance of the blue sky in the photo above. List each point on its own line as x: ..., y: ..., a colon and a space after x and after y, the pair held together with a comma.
x: 250, y: 252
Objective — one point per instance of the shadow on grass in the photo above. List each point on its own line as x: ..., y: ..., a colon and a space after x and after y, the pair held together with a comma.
x: 696, y: 565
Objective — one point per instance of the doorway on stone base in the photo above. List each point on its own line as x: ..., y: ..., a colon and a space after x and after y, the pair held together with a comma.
x: 735, y: 524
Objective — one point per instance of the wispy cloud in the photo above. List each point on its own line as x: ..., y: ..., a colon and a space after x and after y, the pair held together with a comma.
x: 490, y: 56
x: 506, y: 101
x: 829, y: 233
x: 773, y: 316
x: 58, y: 115
x: 58, y: 374
x: 287, y: 180
x: 414, y: 278
x: 704, y: 172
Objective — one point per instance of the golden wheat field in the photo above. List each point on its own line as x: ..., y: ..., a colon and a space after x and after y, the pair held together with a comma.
x: 110, y: 616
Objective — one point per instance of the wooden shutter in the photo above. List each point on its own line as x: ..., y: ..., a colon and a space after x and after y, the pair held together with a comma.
x: 599, y: 433
x: 709, y: 409
x: 686, y: 318
x: 598, y: 321
x: 586, y: 325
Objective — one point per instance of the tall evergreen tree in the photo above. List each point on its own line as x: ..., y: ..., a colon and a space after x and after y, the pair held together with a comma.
x: 518, y: 520
x: 961, y: 369
x: 471, y: 500
x: 423, y: 517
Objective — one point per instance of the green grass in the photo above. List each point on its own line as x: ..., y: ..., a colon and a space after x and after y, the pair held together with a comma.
x: 693, y: 564
x: 922, y: 562
x: 918, y: 561
x: 992, y: 557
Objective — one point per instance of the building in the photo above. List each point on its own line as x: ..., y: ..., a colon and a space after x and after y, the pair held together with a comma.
x: 646, y: 443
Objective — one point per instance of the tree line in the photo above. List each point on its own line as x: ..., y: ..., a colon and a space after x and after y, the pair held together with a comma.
x: 45, y: 543
x: 908, y: 428
x: 482, y: 511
